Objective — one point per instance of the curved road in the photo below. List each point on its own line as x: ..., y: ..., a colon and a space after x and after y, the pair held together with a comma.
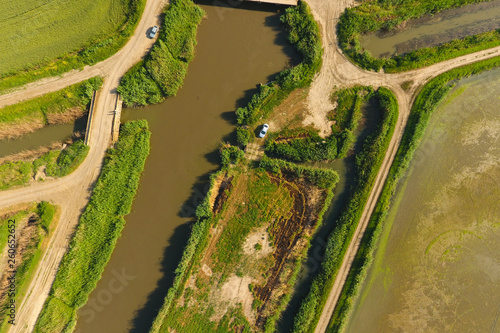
x: 72, y: 192
x: 339, y: 71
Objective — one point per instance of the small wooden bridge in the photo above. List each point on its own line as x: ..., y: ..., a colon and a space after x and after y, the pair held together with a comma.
x: 278, y: 2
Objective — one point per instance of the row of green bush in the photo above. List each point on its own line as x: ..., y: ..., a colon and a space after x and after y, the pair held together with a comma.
x: 162, y: 73
x: 77, y: 95
x: 367, y: 165
x: 421, y: 111
x: 45, y: 214
x: 303, y: 33
x: 98, y: 229
x: 387, y: 15
x: 93, y: 53
x: 194, y: 248
x: 58, y: 163
x: 305, y: 144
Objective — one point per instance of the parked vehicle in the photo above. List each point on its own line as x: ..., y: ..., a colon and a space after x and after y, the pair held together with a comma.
x: 153, y: 32
x: 263, y: 132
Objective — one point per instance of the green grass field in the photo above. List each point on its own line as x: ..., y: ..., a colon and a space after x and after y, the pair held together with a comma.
x: 36, y: 32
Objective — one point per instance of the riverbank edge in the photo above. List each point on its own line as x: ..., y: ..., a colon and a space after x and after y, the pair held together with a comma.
x: 371, y: 157
x: 200, y: 233
x: 98, y: 229
x: 30, y: 115
x: 87, y: 55
x: 425, y: 103
x: 162, y: 72
x: 49, y: 217
x: 363, y: 19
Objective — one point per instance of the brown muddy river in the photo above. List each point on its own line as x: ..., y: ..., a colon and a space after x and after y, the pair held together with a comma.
x: 237, y: 49
x: 436, y: 29
x: 42, y: 137
x: 437, y: 267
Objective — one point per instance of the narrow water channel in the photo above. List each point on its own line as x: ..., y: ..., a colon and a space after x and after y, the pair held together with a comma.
x: 42, y: 137
x: 432, y: 30
x: 238, y: 48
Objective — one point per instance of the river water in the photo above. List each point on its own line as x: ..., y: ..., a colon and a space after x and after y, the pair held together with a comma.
x: 432, y: 30
x: 437, y: 266
x: 237, y: 49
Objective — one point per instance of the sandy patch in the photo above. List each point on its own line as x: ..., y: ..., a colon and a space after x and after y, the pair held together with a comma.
x: 260, y: 237
x: 235, y: 290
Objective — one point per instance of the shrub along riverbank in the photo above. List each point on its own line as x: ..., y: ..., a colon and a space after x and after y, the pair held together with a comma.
x: 303, y: 33
x: 242, y: 198
x: 425, y: 103
x: 98, y: 230
x: 41, y: 218
x: 367, y: 165
x: 305, y: 144
x: 111, y: 28
x: 162, y: 73
x: 387, y: 15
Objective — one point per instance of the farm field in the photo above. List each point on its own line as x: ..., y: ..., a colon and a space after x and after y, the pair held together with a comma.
x: 37, y: 31
x: 436, y: 268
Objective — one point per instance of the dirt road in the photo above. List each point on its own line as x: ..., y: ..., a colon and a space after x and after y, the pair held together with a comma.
x: 338, y: 71
x: 71, y: 193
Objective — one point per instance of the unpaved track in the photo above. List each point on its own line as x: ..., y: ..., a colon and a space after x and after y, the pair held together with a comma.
x: 340, y: 72
x: 72, y: 193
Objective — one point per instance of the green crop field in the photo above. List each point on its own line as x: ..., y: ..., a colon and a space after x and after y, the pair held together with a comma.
x: 38, y: 31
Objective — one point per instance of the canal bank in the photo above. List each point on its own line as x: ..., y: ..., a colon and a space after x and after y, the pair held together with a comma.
x: 237, y: 49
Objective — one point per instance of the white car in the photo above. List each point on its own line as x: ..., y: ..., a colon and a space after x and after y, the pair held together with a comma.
x: 263, y: 132
x: 153, y: 32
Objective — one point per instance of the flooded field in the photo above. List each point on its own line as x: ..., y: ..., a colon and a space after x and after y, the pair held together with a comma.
x: 432, y: 30
x: 238, y: 48
x: 437, y: 267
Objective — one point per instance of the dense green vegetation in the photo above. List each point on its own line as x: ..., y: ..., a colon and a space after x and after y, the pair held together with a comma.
x: 61, y: 35
x: 45, y: 213
x: 303, y: 33
x: 367, y: 164
x: 265, y: 199
x: 305, y: 144
x: 162, y: 72
x: 58, y: 163
x: 98, y: 230
x: 387, y: 15
x: 421, y: 111
x: 41, y: 108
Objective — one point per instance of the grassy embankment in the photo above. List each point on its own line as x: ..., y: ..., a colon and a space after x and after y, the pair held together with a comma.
x: 58, y: 107
x: 29, y: 251
x: 61, y: 106
x: 162, y: 73
x: 367, y: 164
x: 425, y: 103
x: 57, y: 163
x: 98, y: 230
x: 305, y: 144
x: 61, y: 35
x: 387, y: 15
x: 303, y: 33
x: 264, y: 216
